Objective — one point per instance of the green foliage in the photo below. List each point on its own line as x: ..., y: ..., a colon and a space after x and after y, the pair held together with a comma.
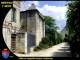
x: 52, y: 37
x: 58, y: 38
x: 44, y: 44
x: 50, y: 28
x: 47, y: 41
x: 49, y: 23
x: 73, y: 23
x: 36, y: 48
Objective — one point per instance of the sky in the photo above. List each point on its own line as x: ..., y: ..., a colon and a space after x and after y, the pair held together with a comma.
x: 55, y: 9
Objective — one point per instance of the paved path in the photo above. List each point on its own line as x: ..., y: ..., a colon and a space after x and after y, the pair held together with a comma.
x: 60, y: 50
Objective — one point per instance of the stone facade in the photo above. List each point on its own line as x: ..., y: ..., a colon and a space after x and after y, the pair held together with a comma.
x: 15, y: 25
x: 64, y: 31
x: 28, y: 27
x: 21, y: 42
x: 33, y: 23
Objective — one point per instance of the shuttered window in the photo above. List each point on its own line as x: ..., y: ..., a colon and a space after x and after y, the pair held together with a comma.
x: 13, y: 15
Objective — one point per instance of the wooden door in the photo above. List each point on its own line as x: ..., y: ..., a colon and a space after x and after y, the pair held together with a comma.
x: 13, y: 44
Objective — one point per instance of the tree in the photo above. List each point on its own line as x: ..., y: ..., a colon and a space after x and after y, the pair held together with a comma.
x: 52, y: 37
x: 49, y: 23
x: 73, y: 23
x: 51, y: 29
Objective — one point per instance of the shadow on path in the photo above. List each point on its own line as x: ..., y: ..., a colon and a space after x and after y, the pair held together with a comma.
x: 63, y: 51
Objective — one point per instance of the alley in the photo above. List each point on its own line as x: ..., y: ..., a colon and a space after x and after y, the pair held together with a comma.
x: 60, y: 50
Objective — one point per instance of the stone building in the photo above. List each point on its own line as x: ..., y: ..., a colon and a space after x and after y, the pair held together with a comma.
x: 33, y: 23
x: 11, y: 25
x: 23, y: 30
x: 64, y: 31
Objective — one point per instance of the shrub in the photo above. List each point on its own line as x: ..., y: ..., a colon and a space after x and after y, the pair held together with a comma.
x: 42, y: 45
x: 36, y: 48
x: 45, y: 43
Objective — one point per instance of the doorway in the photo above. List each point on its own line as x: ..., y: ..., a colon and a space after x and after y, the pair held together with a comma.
x: 13, y: 42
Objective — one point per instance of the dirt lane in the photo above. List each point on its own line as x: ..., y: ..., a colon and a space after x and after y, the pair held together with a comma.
x: 60, y: 50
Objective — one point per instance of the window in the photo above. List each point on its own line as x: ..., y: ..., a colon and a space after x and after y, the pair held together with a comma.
x: 13, y: 15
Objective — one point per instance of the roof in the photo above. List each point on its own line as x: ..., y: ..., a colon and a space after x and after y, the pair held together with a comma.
x: 64, y: 28
x: 32, y: 7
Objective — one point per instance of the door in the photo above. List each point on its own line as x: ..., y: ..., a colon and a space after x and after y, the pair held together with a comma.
x: 30, y: 42
x: 13, y: 43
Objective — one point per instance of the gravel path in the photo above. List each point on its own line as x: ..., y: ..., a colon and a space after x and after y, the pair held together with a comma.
x: 60, y: 50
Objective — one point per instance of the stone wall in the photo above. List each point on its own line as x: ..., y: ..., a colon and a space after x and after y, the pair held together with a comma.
x: 21, y: 42
x: 31, y: 23
x: 39, y: 28
x: 17, y: 3
x: 7, y: 20
x: 24, y: 42
x: 28, y: 22
x: 23, y: 21
x: 34, y: 24
x: 17, y: 24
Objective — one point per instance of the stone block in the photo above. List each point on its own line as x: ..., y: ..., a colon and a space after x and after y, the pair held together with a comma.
x: 32, y: 49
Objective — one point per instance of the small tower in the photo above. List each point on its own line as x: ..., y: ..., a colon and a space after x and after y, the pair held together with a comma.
x: 33, y: 23
x: 32, y: 7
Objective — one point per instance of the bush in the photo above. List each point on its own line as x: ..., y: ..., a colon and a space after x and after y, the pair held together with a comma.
x: 42, y: 45
x: 44, y: 40
x: 59, y: 38
x: 36, y: 48
x: 45, y: 43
